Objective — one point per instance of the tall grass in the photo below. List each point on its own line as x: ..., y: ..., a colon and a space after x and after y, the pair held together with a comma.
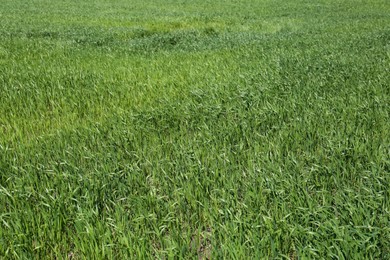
x: 174, y: 129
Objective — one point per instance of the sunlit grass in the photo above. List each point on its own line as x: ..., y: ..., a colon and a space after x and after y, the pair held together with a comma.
x: 222, y: 129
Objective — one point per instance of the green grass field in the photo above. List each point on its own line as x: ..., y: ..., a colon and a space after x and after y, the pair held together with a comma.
x: 195, y: 129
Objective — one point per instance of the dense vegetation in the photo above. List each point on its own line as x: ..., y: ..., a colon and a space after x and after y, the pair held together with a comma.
x: 160, y: 129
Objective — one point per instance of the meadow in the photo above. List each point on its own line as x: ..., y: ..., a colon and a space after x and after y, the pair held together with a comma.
x: 251, y: 129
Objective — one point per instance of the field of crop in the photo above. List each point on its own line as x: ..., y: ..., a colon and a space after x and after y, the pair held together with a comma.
x: 194, y: 129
